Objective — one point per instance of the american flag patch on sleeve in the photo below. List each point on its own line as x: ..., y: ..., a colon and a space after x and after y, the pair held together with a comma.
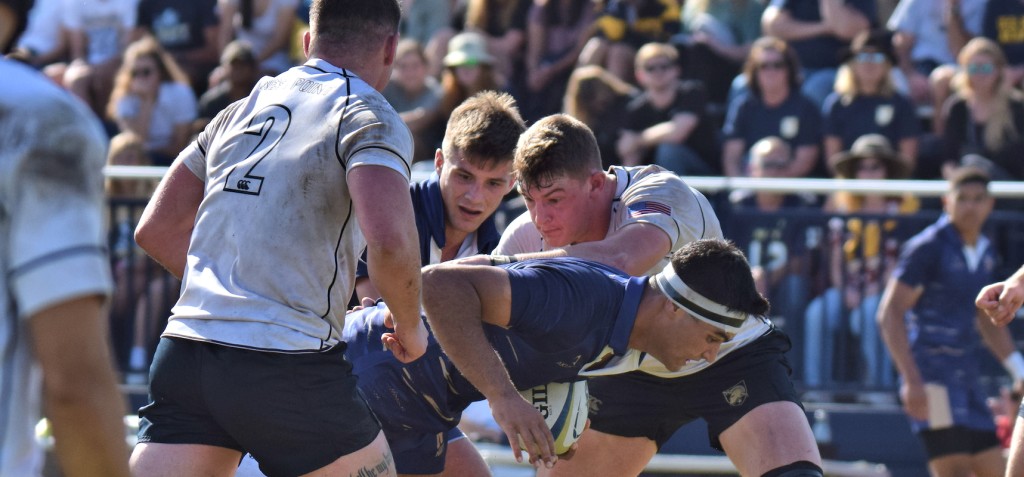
x: 648, y: 207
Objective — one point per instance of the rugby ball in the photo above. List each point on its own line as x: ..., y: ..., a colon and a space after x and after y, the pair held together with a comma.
x: 564, y: 407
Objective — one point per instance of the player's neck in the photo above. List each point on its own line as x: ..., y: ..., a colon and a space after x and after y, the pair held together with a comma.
x: 651, y: 303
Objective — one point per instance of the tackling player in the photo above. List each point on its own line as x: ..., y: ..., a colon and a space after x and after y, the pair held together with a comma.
x: 632, y: 218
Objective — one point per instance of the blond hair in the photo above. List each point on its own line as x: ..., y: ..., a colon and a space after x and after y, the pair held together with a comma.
x: 999, y: 129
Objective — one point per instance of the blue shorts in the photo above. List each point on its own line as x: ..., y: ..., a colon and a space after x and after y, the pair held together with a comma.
x: 294, y: 413
x: 638, y: 404
x: 418, y: 412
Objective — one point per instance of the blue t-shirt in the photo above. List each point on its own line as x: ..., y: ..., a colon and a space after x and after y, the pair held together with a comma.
x: 893, y: 117
x: 821, y: 51
x: 564, y: 312
x: 797, y: 120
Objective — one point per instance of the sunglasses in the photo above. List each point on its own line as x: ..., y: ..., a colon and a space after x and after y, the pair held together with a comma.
x: 981, y: 68
x: 658, y: 67
x: 772, y: 65
x: 142, y: 72
x: 874, y: 58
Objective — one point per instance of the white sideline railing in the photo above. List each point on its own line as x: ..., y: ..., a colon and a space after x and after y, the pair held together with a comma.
x: 497, y: 455
x: 922, y: 188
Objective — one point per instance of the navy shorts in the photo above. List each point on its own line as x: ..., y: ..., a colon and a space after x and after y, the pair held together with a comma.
x: 957, y: 440
x: 638, y: 404
x: 294, y: 413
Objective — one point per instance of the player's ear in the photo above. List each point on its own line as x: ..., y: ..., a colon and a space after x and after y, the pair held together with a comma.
x: 438, y: 160
x: 597, y: 180
x: 305, y: 44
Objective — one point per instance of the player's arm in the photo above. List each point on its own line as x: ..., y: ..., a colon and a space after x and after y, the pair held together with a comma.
x: 1000, y: 301
x: 1000, y: 342
x: 165, y: 227
x: 83, y: 403
x: 674, y: 131
x: 457, y: 300
x: 383, y: 207
x: 897, y: 300
x: 634, y: 249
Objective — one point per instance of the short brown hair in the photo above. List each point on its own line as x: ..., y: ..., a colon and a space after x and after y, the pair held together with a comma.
x: 485, y: 128
x: 788, y: 57
x: 555, y: 146
x: 968, y: 175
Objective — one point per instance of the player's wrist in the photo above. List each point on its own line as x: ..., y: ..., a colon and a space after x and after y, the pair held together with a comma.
x: 502, y: 259
x: 1014, y: 364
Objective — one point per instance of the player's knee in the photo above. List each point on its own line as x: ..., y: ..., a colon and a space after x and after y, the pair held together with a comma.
x: 801, y: 468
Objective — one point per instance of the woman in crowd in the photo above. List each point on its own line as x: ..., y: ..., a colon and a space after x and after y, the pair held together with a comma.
x: 865, y: 101
x: 153, y: 99
x: 985, y: 116
x: 599, y: 98
x: 264, y: 24
x: 773, y: 107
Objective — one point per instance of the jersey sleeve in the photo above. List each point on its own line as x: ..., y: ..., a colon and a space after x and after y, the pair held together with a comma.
x: 559, y: 298
x: 376, y: 136
x: 521, y: 236
x: 662, y: 199
x: 57, y: 234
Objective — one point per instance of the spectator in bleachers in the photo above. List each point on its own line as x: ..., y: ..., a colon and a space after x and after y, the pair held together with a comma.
x: 468, y: 70
x: 865, y: 100
x: 98, y: 33
x: 415, y: 95
x: 1003, y: 23
x: 265, y: 24
x: 557, y: 32
x: 152, y: 98
x: 598, y: 98
x: 716, y: 39
x: 935, y: 331
x: 665, y: 124
x: 239, y: 73
x: 422, y: 19
x: 44, y: 40
x: 774, y: 106
x: 860, y: 253
x: 623, y: 26
x: 928, y: 35
x: 818, y: 31
x: 985, y: 117
x: 502, y: 24
x: 188, y: 30
x: 775, y: 248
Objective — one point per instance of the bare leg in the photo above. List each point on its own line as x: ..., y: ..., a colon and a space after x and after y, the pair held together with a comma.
x: 954, y: 465
x: 601, y: 454
x: 990, y: 463
x: 172, y: 460
x: 770, y: 436
x: 462, y: 458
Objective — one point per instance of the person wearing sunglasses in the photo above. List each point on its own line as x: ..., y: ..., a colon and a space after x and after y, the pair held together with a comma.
x: 773, y: 106
x: 984, y: 119
x: 666, y: 124
x: 153, y: 98
x: 865, y: 100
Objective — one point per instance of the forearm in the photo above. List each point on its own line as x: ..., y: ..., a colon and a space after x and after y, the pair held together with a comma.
x: 779, y: 24
x: 668, y: 132
x: 398, y: 262
x: 996, y: 338
x: 140, y: 122
x: 894, y: 333
x: 88, y: 426
x: 847, y: 22
x: 803, y: 161
x: 732, y: 158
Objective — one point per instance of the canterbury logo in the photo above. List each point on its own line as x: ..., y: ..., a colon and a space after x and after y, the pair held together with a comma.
x: 737, y: 394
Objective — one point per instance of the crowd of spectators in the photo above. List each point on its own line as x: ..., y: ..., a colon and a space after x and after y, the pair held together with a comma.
x: 738, y: 88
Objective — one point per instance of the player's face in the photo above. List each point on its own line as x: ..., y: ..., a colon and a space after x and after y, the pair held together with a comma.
x: 471, y: 193
x: 968, y: 207
x: 686, y: 338
x: 562, y: 210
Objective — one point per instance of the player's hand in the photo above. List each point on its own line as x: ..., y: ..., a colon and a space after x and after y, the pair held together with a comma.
x: 999, y: 302
x: 407, y: 343
x: 915, y: 401
x: 366, y: 302
x: 523, y: 424
x: 479, y: 259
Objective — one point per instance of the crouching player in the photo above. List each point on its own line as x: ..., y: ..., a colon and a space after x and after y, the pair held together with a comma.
x: 495, y: 330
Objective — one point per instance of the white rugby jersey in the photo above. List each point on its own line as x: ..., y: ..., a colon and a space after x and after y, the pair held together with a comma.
x: 647, y: 194
x: 272, y: 259
x: 52, y: 236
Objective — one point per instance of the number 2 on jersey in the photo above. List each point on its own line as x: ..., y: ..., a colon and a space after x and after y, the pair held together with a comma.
x: 269, y: 124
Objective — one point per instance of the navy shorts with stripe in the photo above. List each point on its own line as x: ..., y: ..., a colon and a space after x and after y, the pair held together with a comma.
x: 294, y: 413
x: 638, y: 404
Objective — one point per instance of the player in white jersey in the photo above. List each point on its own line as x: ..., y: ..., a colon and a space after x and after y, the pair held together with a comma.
x: 55, y: 277
x: 264, y: 217
x: 632, y: 218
